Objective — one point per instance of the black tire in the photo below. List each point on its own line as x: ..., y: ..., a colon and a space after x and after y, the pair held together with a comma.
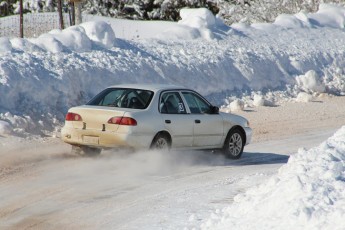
x: 234, y: 144
x: 86, y: 151
x: 161, y: 142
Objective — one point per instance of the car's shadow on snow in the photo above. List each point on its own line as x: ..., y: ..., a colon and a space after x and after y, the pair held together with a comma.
x: 255, y: 158
x: 174, y: 160
x: 216, y: 158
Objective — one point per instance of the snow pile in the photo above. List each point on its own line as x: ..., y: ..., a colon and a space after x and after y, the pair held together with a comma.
x: 304, y: 97
x: 197, y: 18
x: 100, y: 33
x: 328, y: 15
x: 5, y: 128
x: 259, y: 100
x: 256, y: 99
x: 237, y: 105
x: 307, y: 193
x: 194, y: 24
x: 299, y: 20
x: 75, y: 38
x: 233, y: 105
x: 72, y: 38
x: 311, y: 82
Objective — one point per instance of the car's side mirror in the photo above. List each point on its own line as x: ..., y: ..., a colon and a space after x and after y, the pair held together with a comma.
x: 214, y: 109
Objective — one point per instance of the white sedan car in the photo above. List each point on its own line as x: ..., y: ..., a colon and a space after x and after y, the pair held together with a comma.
x: 153, y: 117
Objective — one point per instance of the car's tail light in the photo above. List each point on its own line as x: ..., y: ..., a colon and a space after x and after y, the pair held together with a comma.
x: 73, y: 117
x: 122, y: 121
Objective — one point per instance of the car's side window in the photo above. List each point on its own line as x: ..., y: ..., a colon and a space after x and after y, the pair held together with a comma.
x: 195, y: 103
x: 171, y: 103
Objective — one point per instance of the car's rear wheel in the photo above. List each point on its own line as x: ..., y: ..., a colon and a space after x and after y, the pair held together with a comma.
x: 85, y: 151
x: 234, y: 144
x: 161, y: 142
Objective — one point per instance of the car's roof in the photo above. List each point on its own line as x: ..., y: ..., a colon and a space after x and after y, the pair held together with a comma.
x: 152, y: 87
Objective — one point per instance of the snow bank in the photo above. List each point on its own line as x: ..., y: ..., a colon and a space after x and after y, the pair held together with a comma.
x: 41, y: 78
x: 307, y: 193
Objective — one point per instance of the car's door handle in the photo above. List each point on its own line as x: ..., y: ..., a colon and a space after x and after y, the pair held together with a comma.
x: 197, y: 121
x: 167, y: 121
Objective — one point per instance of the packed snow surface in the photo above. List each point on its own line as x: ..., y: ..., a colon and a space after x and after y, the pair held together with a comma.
x: 307, y: 193
x: 40, y: 78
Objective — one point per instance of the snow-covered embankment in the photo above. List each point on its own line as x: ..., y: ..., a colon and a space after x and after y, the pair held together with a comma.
x: 307, y: 193
x: 41, y: 78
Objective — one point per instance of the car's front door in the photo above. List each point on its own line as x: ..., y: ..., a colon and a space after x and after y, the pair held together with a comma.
x: 176, y: 119
x: 208, y: 127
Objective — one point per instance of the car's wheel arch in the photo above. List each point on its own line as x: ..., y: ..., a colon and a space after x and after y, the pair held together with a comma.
x: 234, y: 142
x: 164, y: 133
x: 239, y: 128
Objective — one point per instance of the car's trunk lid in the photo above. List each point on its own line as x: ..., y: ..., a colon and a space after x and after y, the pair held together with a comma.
x: 96, y: 117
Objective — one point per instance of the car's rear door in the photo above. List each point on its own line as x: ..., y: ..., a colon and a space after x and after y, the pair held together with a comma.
x: 208, y: 128
x: 176, y: 120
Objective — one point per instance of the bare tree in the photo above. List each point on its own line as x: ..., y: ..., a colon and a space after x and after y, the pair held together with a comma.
x: 21, y: 19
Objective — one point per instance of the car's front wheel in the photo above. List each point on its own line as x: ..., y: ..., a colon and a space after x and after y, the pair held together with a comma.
x: 85, y: 151
x: 234, y: 144
x: 160, y: 142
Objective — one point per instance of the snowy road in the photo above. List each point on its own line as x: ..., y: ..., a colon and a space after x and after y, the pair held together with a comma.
x: 43, y: 186
x: 52, y: 189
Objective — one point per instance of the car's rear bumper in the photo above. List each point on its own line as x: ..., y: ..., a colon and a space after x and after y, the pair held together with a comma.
x: 105, y: 139
x: 249, y: 133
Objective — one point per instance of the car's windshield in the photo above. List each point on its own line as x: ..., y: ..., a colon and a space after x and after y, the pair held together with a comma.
x: 123, y: 98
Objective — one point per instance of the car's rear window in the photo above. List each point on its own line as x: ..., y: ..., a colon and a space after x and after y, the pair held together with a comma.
x: 123, y: 98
